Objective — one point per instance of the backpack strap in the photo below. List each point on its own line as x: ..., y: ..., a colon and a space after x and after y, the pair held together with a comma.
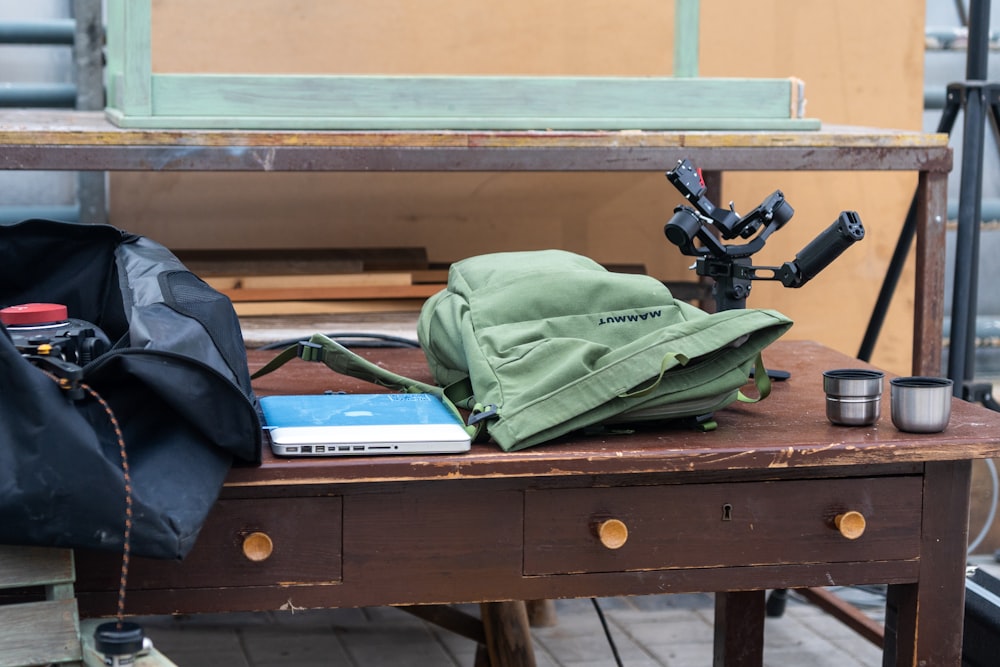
x: 761, y: 379
x: 342, y: 360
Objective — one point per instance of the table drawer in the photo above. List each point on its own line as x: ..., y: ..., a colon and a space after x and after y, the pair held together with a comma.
x: 718, y: 525
x: 243, y: 543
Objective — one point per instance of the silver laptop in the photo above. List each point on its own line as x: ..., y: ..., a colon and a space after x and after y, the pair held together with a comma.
x: 362, y: 424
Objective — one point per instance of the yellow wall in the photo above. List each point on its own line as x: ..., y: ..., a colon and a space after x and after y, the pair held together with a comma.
x: 862, y: 63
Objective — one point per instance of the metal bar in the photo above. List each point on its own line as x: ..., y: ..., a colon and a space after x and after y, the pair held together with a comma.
x: 56, y: 32
x: 970, y: 201
x: 961, y: 359
x: 963, y: 16
x: 62, y: 95
x: 977, y: 56
x: 889, y: 283
x: 945, y: 124
x: 990, y: 209
x: 14, y: 213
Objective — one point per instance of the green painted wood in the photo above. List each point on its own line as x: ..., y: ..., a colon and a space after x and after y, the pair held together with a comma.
x: 114, y: 51
x: 469, y: 96
x: 465, y: 102
x: 458, y: 124
x: 686, y: 37
x: 39, y: 633
x: 129, y: 53
x: 141, y: 99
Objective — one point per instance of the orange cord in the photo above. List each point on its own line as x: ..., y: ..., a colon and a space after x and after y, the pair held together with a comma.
x: 126, y: 546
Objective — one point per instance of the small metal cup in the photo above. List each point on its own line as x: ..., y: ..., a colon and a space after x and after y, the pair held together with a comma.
x: 853, y: 396
x: 921, y: 404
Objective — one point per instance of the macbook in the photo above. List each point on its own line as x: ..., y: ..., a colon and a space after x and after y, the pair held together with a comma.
x: 362, y: 424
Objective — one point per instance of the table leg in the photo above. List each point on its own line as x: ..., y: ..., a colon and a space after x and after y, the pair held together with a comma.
x: 541, y: 613
x: 508, y: 638
x: 924, y: 620
x: 739, y: 629
x: 928, y: 306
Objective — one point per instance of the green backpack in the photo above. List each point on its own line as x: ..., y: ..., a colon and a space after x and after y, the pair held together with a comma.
x: 538, y: 344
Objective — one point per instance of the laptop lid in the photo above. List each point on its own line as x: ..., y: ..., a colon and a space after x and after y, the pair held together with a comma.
x: 362, y: 424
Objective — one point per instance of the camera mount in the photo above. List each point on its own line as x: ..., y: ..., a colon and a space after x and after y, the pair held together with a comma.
x: 729, y: 265
x: 59, y: 345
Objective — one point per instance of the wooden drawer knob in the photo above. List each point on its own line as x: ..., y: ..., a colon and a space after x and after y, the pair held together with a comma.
x: 612, y: 533
x: 850, y: 524
x: 257, y: 547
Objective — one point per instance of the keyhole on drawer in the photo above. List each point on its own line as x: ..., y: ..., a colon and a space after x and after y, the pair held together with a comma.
x: 727, y: 512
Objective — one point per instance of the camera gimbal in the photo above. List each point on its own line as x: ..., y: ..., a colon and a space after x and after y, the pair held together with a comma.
x: 730, y: 265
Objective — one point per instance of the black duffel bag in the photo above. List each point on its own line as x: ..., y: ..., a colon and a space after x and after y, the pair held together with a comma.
x: 173, y: 377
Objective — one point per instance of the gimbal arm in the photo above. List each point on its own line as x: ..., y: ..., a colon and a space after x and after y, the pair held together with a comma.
x: 729, y: 265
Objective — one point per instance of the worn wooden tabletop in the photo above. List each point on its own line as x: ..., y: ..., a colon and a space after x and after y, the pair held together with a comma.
x: 789, y: 429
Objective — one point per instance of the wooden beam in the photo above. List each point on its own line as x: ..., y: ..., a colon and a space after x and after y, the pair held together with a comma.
x: 255, y: 308
x: 346, y: 292
x: 360, y: 102
x: 846, y: 613
x: 372, y: 279
x: 451, y: 619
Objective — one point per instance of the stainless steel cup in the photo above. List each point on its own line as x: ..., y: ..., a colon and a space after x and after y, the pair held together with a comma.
x: 921, y: 404
x: 853, y: 396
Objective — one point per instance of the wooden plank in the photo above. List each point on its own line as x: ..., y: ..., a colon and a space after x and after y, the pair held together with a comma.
x: 301, y: 261
x: 24, y: 566
x: 254, y: 308
x: 466, y: 102
x: 392, y: 123
x: 114, y: 28
x: 429, y: 276
x: 38, y: 633
x: 846, y: 613
x: 447, y: 97
x: 349, y: 293
x: 370, y: 279
x: 908, y: 150
x: 130, y: 56
x: 451, y: 619
x: 686, y: 29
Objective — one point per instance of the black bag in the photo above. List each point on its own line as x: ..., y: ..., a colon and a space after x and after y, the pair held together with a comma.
x: 175, y: 379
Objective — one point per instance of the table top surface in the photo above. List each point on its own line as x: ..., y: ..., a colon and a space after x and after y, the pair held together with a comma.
x: 787, y: 430
x: 33, y: 126
x: 41, y: 139
x: 30, y: 126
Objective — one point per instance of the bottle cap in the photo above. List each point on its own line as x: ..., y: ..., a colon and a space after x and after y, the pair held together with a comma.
x: 114, y: 639
x: 27, y: 314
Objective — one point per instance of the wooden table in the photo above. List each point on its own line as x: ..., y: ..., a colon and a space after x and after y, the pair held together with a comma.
x: 748, y: 507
